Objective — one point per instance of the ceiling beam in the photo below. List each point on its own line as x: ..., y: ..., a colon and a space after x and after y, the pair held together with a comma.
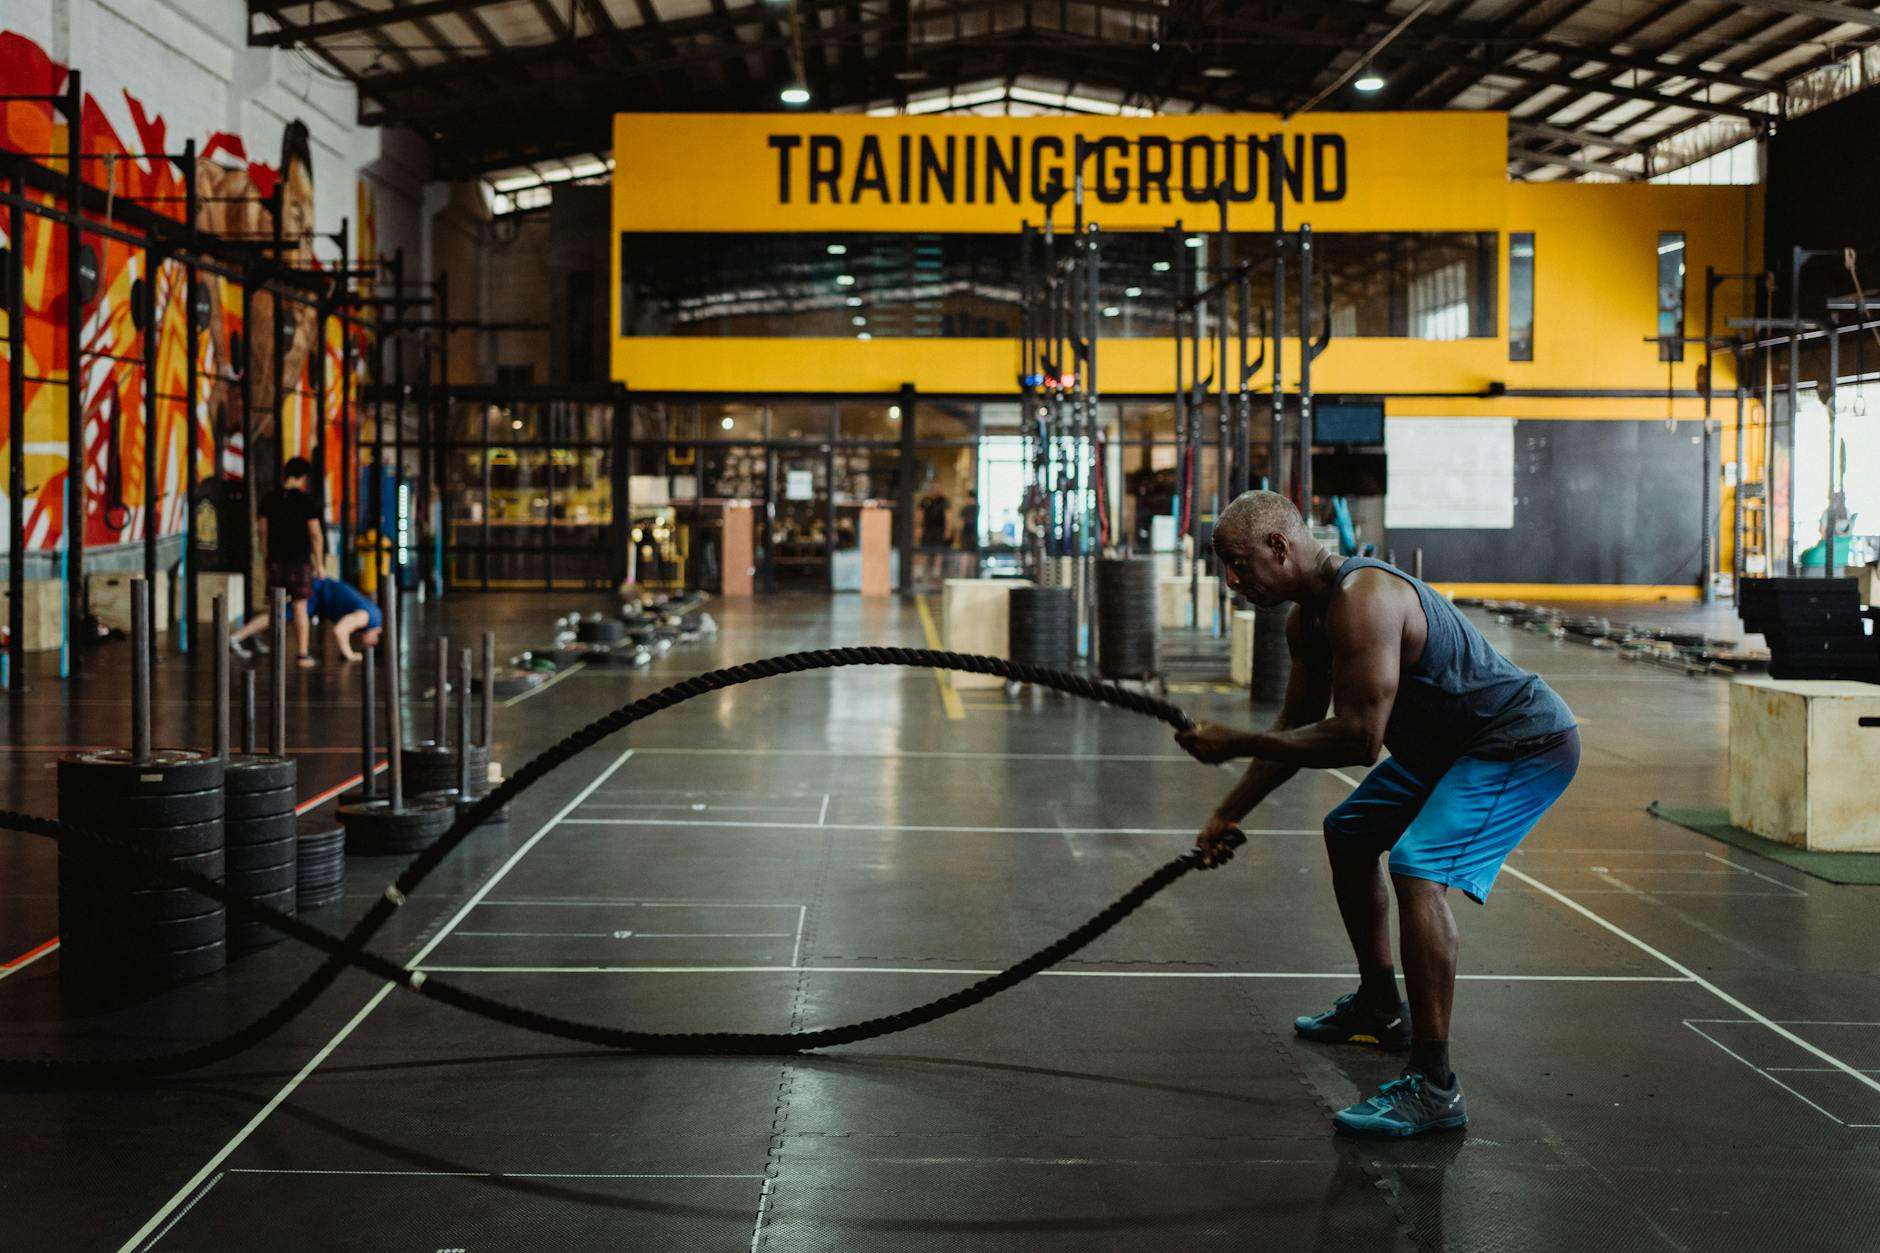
x: 1584, y: 139
x: 1820, y: 10
x: 366, y: 20
x: 1579, y: 164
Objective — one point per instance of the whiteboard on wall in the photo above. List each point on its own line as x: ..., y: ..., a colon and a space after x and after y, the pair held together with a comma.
x: 1450, y: 473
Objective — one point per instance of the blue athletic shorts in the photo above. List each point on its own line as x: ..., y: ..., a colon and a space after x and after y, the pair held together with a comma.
x: 1456, y: 827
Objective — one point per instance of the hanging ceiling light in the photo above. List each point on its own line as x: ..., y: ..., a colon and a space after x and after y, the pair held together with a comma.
x: 1217, y: 70
x: 795, y: 93
x: 1368, y: 79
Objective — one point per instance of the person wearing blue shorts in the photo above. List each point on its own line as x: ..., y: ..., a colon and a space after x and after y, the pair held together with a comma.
x: 1479, y: 750
x: 346, y: 610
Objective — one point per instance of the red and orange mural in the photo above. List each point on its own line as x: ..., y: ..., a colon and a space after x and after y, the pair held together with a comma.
x: 235, y: 196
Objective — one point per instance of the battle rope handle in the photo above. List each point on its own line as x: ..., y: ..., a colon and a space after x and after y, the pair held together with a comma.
x: 350, y: 950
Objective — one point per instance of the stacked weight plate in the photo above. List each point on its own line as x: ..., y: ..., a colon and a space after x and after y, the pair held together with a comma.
x: 319, y: 862
x: 428, y: 767
x: 261, y: 829
x: 374, y: 829
x: 1126, y: 605
x: 1043, y: 627
x: 599, y: 630
x: 124, y: 929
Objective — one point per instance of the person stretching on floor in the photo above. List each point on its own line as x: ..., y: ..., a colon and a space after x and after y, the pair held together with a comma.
x: 1479, y: 750
x: 346, y: 609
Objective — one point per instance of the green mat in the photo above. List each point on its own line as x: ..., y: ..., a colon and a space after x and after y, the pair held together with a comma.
x: 1861, y: 868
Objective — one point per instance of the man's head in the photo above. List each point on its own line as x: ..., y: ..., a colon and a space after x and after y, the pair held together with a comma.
x: 1269, y: 556
x: 296, y: 472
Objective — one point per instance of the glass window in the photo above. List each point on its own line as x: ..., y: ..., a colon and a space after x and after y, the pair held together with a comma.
x: 731, y: 420
x: 1148, y: 421
x: 942, y: 419
x: 801, y: 420
x: 1521, y: 296
x: 868, y: 285
x: 1671, y: 295
x: 869, y: 422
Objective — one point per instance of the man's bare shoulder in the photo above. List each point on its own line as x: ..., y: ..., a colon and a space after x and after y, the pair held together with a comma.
x: 1368, y: 600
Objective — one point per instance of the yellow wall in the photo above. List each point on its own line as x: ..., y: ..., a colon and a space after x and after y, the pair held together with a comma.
x: 1595, y: 284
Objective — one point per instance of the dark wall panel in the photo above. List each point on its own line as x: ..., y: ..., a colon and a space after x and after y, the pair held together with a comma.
x: 1823, y: 182
x: 1595, y: 502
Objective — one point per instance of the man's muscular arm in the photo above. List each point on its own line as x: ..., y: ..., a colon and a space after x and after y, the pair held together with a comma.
x: 1307, y: 694
x: 1365, y: 626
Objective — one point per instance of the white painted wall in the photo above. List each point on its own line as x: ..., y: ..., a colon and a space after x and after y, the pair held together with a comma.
x: 189, y: 62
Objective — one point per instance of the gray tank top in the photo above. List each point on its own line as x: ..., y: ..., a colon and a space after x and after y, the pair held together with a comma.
x: 1462, y: 698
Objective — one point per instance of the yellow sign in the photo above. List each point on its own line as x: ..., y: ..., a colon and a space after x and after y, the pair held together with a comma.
x: 800, y: 172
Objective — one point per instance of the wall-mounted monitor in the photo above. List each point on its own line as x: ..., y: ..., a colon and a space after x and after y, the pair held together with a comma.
x: 1348, y: 420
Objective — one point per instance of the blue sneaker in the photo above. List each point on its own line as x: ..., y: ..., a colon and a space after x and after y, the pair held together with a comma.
x: 1349, y: 1021
x: 1406, y: 1106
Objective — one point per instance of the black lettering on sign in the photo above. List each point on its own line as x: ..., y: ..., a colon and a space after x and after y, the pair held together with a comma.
x: 1112, y: 190
x: 1197, y: 169
x: 825, y: 168
x: 999, y: 166
x: 1043, y: 189
x: 784, y: 144
x: 907, y: 165
x: 972, y: 169
x: 1286, y: 172
x: 1328, y: 167
x: 1241, y: 188
x: 869, y: 174
x: 934, y: 172
x: 1154, y: 157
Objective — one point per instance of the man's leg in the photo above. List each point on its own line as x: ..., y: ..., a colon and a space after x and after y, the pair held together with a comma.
x: 303, y: 628
x: 1356, y: 835
x: 251, y: 628
x: 1429, y: 971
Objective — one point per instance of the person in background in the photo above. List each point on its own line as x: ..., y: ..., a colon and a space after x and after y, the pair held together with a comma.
x: 344, y: 608
x: 967, y: 539
x: 933, y: 531
x: 295, y: 543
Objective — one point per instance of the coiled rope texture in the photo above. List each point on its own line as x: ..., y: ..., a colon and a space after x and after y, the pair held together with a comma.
x: 351, y: 950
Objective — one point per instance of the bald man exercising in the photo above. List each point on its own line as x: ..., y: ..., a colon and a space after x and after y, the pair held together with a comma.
x: 1479, y: 750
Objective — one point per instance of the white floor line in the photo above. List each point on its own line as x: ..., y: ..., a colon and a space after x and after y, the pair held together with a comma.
x: 1060, y: 974
x: 910, y: 753
x: 822, y: 819
x: 478, y: 1174
x: 763, y: 1203
x: 365, y: 1011
x: 539, y: 935
x: 23, y: 963
x: 702, y: 807
x: 1765, y: 1074
x: 1787, y: 887
x: 619, y: 901
x: 939, y: 830
x: 1696, y: 978
x: 1815, y: 1070
x: 1340, y: 774
x: 179, y: 1214
x: 1789, y: 1022
x: 796, y: 950
x: 519, y: 697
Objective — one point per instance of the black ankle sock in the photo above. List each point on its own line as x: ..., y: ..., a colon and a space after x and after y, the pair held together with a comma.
x: 1430, y: 1058
x: 1378, y: 988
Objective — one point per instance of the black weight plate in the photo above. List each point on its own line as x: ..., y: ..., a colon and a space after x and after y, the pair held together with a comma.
x: 198, y: 837
x: 375, y: 827
x: 600, y: 631
x: 317, y: 861
x: 177, y: 934
x: 313, y: 825
x: 246, y: 858
x: 319, y: 898
x: 261, y: 773
x: 306, y: 877
x: 242, y: 805
x: 148, y: 968
x: 99, y: 806
x: 256, y: 883
x: 260, y: 830
x: 158, y: 904
x: 94, y: 877
x: 111, y: 771
x: 318, y: 846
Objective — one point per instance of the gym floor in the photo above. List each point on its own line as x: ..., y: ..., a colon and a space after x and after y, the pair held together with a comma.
x: 1666, y: 1043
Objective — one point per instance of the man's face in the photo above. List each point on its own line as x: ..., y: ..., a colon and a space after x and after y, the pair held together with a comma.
x: 1258, y: 568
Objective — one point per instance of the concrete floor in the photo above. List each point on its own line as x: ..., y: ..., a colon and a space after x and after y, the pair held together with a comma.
x: 1666, y: 1043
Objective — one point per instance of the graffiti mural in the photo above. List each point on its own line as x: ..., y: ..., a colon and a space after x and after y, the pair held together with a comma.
x: 235, y: 354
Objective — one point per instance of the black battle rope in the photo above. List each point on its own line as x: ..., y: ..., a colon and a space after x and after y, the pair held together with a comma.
x: 351, y: 950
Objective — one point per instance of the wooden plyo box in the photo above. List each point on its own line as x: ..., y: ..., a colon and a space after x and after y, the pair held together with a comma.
x: 1802, y: 765
x: 211, y: 584
x: 1240, y: 648
x: 1172, y: 601
x: 45, y: 617
x: 976, y: 617
x: 108, y: 596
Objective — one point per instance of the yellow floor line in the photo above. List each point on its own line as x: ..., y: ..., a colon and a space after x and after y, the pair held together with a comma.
x: 956, y: 712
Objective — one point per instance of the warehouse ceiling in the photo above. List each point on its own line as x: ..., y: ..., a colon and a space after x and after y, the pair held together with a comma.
x: 1597, y: 89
